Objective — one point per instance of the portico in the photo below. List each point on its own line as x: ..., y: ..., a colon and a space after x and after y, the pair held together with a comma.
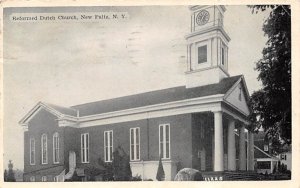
x: 233, y: 129
x: 229, y: 150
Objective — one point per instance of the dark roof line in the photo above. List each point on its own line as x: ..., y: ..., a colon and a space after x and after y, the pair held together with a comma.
x: 63, y: 110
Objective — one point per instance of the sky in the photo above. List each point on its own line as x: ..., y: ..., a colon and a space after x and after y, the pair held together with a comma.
x: 69, y: 63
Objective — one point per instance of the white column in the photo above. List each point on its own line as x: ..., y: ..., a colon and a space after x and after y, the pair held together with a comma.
x: 242, y: 153
x: 250, y: 151
x: 219, y: 148
x: 231, y: 146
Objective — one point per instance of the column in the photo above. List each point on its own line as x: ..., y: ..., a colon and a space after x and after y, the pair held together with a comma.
x: 218, y: 142
x: 242, y: 153
x: 250, y: 151
x: 231, y: 146
x: 189, y: 67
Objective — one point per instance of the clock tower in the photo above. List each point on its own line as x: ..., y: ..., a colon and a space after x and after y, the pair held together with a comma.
x: 207, y: 46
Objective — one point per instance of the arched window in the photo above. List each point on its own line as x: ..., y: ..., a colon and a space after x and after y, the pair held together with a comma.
x: 32, y: 151
x: 44, y: 149
x: 56, y: 148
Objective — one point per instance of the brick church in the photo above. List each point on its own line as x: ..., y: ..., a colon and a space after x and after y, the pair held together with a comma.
x: 190, y: 126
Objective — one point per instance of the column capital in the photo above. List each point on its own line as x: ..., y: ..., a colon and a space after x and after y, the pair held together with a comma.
x: 217, y: 111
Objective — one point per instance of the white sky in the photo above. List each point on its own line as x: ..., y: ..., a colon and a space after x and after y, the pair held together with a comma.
x: 73, y: 63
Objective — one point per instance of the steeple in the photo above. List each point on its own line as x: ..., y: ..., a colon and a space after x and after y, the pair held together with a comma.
x: 207, y: 46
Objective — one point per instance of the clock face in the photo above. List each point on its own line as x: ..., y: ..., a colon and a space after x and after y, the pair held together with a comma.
x: 202, y: 17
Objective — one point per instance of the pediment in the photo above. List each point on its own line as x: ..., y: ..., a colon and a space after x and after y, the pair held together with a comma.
x: 35, y: 110
x: 238, y: 97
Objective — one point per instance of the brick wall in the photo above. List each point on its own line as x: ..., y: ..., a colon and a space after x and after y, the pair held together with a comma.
x: 180, y: 131
x: 43, y: 122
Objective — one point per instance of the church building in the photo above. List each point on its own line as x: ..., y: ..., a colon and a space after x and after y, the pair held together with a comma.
x: 201, y: 125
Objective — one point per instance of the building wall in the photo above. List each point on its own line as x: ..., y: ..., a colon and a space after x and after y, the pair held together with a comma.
x: 70, y: 140
x: 43, y: 122
x: 180, y: 131
x: 286, y: 158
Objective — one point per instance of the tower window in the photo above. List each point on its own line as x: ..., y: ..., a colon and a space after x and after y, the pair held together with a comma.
x: 202, y: 54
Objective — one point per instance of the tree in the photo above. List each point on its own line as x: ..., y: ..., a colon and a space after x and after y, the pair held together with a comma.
x: 271, y: 106
x: 160, y: 175
x: 5, y: 175
x: 10, y: 174
x: 121, y: 165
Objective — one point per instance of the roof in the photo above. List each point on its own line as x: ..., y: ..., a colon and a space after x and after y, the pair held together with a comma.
x: 154, y: 97
x: 258, y: 154
x: 63, y: 110
x: 135, y: 101
x: 260, y: 141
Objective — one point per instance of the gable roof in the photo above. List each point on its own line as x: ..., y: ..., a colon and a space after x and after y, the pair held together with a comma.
x: 155, y: 97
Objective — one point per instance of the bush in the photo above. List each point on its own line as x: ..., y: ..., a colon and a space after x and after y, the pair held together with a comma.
x: 136, y: 178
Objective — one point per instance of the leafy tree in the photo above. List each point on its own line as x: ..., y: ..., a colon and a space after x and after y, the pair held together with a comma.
x: 271, y: 106
x: 160, y: 175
